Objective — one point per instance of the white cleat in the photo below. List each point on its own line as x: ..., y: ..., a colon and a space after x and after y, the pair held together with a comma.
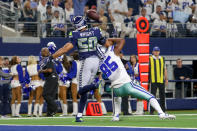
x: 167, y: 116
x: 116, y: 118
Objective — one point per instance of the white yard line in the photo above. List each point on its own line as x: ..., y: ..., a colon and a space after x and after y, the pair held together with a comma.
x: 30, y: 118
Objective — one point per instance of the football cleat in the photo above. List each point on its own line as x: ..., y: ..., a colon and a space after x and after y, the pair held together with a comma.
x: 167, y: 116
x: 79, y: 119
x: 116, y: 118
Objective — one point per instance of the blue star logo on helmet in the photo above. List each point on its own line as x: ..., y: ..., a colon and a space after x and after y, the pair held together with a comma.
x: 79, y: 22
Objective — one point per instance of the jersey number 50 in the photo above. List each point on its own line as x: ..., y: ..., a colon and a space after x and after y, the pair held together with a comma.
x: 107, y: 68
x: 87, y: 44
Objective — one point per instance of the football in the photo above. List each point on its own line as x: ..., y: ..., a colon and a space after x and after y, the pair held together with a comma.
x: 92, y: 14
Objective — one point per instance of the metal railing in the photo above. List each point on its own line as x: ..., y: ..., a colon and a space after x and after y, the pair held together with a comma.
x: 192, y: 81
x: 40, y: 27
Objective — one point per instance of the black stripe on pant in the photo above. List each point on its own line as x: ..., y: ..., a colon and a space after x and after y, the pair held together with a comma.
x: 161, y: 87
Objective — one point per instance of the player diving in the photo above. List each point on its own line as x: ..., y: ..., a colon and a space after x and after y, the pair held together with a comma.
x: 113, y: 69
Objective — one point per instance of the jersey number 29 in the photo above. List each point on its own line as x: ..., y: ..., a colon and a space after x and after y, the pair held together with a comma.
x: 107, y: 68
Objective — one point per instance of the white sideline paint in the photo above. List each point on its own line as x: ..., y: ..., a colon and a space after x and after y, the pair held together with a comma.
x: 91, y: 117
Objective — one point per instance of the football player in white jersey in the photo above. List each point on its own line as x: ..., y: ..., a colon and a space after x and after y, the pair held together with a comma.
x: 113, y: 69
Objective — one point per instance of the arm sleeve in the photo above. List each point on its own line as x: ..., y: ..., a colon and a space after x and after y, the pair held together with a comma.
x: 73, y: 71
x: 27, y: 78
x: 71, y: 38
x: 20, y: 73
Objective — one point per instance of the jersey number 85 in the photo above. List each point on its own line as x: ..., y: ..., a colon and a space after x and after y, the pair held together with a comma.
x: 107, y: 68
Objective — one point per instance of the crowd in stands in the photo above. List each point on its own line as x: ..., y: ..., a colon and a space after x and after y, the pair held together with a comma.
x: 169, y: 18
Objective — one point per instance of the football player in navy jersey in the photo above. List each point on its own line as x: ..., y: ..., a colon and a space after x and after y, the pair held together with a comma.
x: 86, y: 40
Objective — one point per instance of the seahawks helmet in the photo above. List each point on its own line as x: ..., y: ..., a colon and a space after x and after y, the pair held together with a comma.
x: 79, y: 22
x: 101, y: 50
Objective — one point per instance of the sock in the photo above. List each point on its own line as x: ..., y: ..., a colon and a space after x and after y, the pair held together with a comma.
x: 40, y: 109
x: 129, y: 107
x: 65, y: 112
x: 29, y: 109
x: 84, y: 111
x: 75, y: 108
x: 36, y: 109
x: 154, y: 103
x: 86, y: 89
x: 61, y: 103
x: 13, y: 107
x: 18, y: 106
x: 117, y: 105
x: 140, y: 105
x: 82, y: 102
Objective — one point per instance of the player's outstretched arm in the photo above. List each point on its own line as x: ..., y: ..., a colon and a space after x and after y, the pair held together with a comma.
x: 64, y: 49
x: 119, y: 44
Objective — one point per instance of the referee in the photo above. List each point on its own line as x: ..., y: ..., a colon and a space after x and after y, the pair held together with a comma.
x: 158, y: 76
x: 51, y: 83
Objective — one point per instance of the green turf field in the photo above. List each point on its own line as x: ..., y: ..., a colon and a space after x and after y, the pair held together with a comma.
x: 184, y: 119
